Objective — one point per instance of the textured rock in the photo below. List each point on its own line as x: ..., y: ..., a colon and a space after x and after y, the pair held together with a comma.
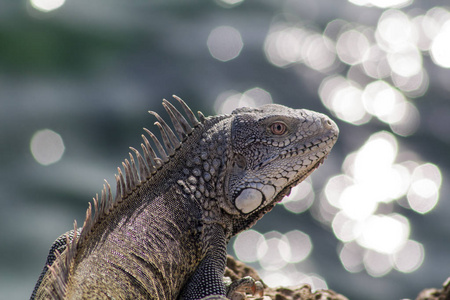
x: 236, y: 269
x: 436, y: 294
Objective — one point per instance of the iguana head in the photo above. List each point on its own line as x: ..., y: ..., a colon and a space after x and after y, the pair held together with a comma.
x: 273, y: 148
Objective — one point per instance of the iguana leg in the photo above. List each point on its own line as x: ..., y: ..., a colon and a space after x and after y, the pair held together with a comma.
x: 207, y: 282
x: 207, y: 279
x: 59, y: 245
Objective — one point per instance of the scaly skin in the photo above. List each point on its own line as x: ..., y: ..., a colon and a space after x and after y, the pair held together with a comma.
x: 165, y: 234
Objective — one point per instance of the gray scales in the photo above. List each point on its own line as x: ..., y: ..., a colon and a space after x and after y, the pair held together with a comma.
x: 164, y: 234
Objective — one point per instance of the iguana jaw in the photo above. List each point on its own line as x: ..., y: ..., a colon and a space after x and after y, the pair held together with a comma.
x: 250, y: 219
x: 287, y: 190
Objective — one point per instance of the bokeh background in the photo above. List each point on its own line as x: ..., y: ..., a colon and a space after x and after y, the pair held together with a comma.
x: 77, y: 77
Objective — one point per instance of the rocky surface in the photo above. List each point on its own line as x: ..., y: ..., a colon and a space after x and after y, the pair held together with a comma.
x: 436, y: 294
x: 236, y: 270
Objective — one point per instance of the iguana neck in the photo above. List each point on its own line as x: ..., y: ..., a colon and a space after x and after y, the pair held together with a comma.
x: 198, y: 167
x: 204, y: 169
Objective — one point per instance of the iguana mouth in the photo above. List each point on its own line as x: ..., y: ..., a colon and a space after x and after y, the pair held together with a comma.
x: 287, y: 190
x: 321, y: 161
x: 295, y: 152
x: 319, y: 145
x: 314, y: 167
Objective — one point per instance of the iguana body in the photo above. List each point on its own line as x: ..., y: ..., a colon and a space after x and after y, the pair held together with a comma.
x: 164, y: 235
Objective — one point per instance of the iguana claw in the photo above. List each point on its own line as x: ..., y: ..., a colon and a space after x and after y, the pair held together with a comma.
x: 239, y: 288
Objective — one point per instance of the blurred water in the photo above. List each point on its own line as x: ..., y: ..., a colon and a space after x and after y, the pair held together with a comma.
x: 77, y: 77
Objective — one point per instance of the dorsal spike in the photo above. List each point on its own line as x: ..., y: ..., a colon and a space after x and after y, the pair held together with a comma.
x: 104, y: 193
x: 144, y: 172
x: 158, y: 145
x: 108, y: 192
x: 170, y: 150
x: 104, y: 206
x: 118, y: 190
x: 103, y: 198
x: 97, y: 213
x: 180, y: 134
x: 123, y: 188
x: 71, y: 245
x: 134, y: 171
x: 201, y: 116
x: 88, y: 220
x: 150, y: 163
x: 99, y: 205
x: 172, y: 137
x: 149, y: 155
x: 188, y: 111
x: 128, y: 176
x: 179, y: 122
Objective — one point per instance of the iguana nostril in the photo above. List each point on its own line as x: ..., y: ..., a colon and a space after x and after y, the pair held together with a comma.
x: 327, y: 123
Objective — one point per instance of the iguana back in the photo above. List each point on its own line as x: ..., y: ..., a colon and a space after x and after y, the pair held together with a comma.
x: 164, y: 235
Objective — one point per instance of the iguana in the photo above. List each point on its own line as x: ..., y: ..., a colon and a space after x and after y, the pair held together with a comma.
x: 164, y: 235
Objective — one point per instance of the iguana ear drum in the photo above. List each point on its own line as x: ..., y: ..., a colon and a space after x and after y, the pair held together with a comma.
x: 248, y: 200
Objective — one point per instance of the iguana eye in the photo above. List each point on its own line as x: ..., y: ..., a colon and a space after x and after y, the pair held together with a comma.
x: 278, y: 128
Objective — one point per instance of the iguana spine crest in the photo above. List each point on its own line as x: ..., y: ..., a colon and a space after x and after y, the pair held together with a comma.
x: 126, y: 183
